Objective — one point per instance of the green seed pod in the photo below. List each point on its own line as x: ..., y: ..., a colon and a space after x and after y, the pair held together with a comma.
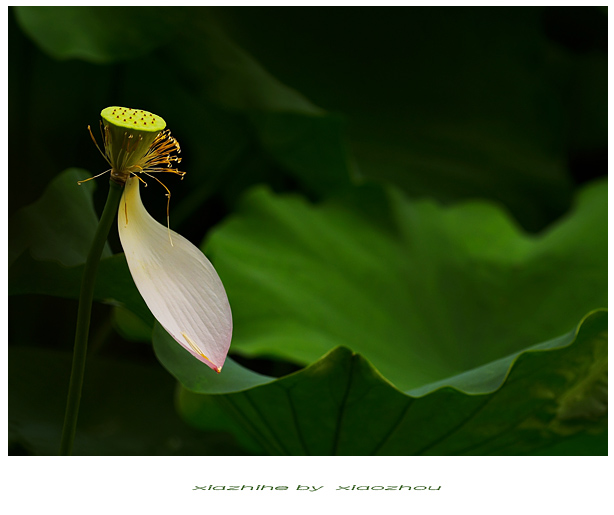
x: 129, y: 133
x: 136, y: 141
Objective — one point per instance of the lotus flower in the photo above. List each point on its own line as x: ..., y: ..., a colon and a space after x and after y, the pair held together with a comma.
x: 175, y: 279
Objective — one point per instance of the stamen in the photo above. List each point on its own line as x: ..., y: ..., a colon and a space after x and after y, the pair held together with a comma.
x: 95, y: 176
x: 140, y: 179
x: 159, y: 153
x: 96, y: 143
x: 107, y: 141
x: 168, y: 207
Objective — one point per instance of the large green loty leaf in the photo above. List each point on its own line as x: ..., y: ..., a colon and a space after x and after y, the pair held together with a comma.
x: 59, y: 226
x: 422, y: 291
x: 126, y: 409
x: 342, y: 405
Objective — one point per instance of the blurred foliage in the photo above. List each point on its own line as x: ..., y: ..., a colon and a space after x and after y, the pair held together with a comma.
x: 66, y: 238
x: 127, y: 409
x: 392, y: 188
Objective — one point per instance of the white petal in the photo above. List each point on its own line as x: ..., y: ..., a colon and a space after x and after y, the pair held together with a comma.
x: 177, y: 282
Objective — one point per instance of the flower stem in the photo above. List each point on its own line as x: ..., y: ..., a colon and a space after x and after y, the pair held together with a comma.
x: 83, y: 318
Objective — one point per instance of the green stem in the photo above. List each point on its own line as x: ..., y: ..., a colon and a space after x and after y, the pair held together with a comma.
x: 83, y: 318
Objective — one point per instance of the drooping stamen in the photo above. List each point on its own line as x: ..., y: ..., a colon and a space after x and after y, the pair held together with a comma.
x: 95, y: 176
x: 168, y: 206
x: 141, y: 179
x: 96, y: 143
